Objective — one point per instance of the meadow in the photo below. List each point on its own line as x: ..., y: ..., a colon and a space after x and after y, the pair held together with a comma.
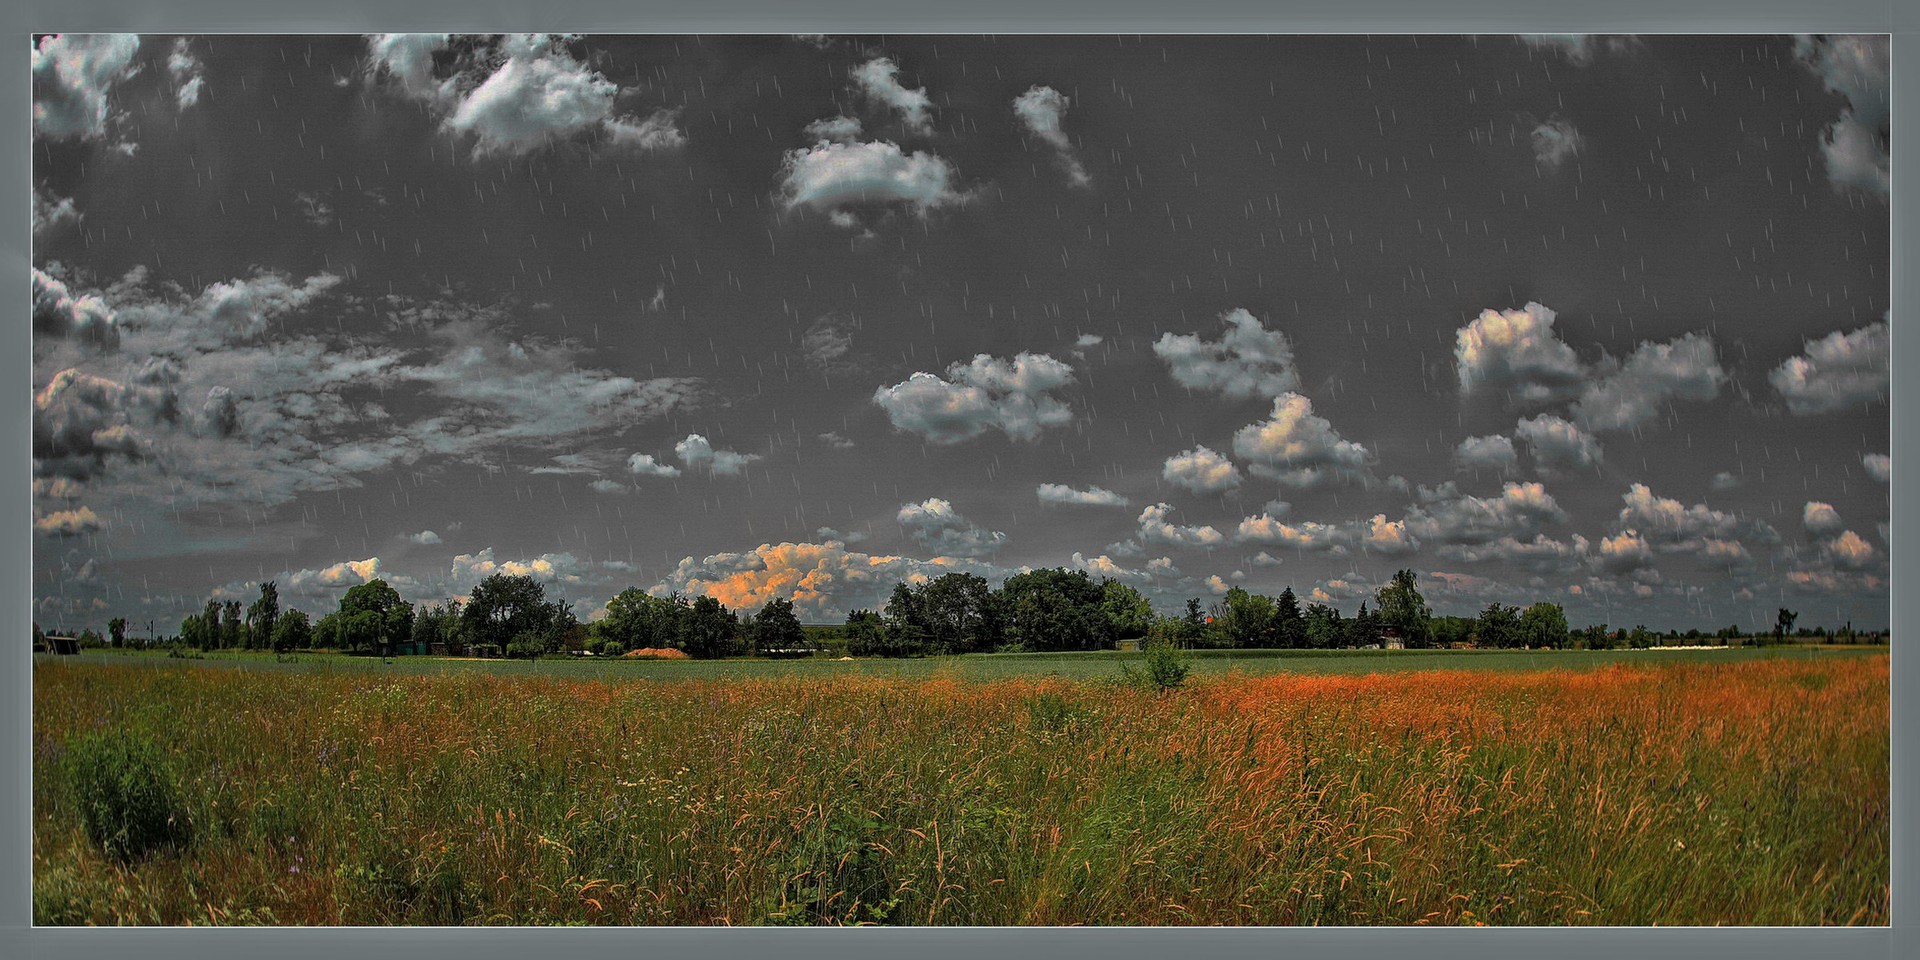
x: 1645, y: 788
x: 1072, y: 665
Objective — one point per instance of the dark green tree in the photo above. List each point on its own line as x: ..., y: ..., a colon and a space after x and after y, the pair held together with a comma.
x: 775, y: 628
x: 1129, y: 615
x: 117, y: 629
x: 1290, y: 625
x: 711, y: 630
x: 1245, y: 619
x: 1364, y: 628
x: 1323, y: 627
x: 1783, y: 624
x: 1056, y: 609
x: 327, y: 633
x: 429, y: 626
x: 505, y: 608
x: 1498, y: 626
x: 373, y: 618
x: 638, y: 620
x: 867, y: 634
x: 1194, y: 626
x: 956, y: 610
x: 909, y: 631
x: 292, y: 632
x: 1400, y: 606
x: 209, y: 626
x: 1543, y: 625
x: 1448, y: 631
x: 263, y: 615
x: 233, y: 630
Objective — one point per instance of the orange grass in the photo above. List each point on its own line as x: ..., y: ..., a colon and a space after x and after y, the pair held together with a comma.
x: 1750, y: 793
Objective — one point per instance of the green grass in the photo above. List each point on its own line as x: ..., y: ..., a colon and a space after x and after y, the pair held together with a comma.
x: 992, y: 666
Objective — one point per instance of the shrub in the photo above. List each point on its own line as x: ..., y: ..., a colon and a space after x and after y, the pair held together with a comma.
x: 126, y: 795
x: 526, y: 645
x: 1164, y: 668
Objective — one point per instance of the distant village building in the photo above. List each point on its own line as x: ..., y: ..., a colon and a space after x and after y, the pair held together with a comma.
x: 1127, y: 646
x: 1390, y: 638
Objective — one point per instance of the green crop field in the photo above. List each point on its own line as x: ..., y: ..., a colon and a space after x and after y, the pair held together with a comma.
x: 1072, y: 665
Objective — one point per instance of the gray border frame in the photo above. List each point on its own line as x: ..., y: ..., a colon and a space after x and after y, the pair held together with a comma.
x: 18, y: 938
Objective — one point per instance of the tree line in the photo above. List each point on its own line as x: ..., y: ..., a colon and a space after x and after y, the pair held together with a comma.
x: 1038, y: 610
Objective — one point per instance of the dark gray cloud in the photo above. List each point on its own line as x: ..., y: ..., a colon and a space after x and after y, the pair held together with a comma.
x: 703, y: 314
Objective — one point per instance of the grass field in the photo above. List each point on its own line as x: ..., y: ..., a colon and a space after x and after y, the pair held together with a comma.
x: 1660, y: 790
x: 1072, y: 665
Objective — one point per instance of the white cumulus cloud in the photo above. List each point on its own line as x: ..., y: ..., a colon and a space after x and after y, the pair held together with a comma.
x: 935, y: 525
x: 1555, y: 141
x: 1248, y: 360
x: 644, y: 465
x: 73, y: 75
x: 1821, y: 519
x: 1486, y: 453
x: 1090, y: 497
x: 1297, y: 448
x: 1879, y: 466
x: 879, y: 80
x: 1155, y: 528
x: 1840, y: 371
x: 1041, y: 110
x: 1855, y: 145
x: 1201, y: 470
x: 657, y: 131
x: 696, y: 451
x: 1652, y: 376
x: 1557, y: 444
x: 1518, y: 351
x: 832, y: 174
x: 1015, y: 397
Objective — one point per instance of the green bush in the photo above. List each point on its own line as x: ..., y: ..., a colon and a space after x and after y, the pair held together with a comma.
x: 126, y: 794
x: 1164, y: 668
x: 527, y: 646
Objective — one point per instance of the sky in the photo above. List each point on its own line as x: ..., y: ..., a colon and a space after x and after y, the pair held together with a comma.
x: 1601, y: 321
